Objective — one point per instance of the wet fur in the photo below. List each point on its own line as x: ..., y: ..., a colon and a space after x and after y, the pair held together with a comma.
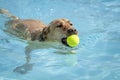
x: 36, y: 30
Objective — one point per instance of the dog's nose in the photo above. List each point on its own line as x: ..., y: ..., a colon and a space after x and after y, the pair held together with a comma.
x: 72, y: 31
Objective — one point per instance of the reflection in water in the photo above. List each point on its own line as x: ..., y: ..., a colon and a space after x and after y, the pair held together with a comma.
x: 32, y: 46
x: 24, y: 68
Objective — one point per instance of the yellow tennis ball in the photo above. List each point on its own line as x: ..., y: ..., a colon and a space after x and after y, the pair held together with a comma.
x: 73, y: 40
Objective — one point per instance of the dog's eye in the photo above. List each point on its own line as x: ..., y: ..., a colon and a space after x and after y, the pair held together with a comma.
x: 59, y: 26
x: 71, y: 24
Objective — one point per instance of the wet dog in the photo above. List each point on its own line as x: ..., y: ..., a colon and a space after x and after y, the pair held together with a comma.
x: 36, y: 30
x: 33, y: 30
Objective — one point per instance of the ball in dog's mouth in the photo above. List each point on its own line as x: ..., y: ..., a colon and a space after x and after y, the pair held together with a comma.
x: 71, y: 41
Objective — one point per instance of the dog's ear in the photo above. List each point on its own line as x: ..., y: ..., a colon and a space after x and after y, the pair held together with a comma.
x: 46, y: 30
x: 43, y: 36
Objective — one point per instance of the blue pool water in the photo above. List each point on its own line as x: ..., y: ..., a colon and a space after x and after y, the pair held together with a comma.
x: 96, y: 58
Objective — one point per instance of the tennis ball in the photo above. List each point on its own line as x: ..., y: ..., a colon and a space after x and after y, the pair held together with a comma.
x: 73, y: 40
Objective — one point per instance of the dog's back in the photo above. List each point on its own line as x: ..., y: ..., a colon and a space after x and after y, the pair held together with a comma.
x: 27, y: 29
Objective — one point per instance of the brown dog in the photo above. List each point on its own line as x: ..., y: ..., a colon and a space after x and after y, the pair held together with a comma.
x: 37, y: 30
x: 28, y: 29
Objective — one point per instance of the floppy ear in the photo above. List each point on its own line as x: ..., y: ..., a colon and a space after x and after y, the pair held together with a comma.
x: 46, y: 30
x: 43, y: 36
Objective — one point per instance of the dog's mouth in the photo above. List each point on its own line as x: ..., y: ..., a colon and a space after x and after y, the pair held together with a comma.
x: 64, y: 41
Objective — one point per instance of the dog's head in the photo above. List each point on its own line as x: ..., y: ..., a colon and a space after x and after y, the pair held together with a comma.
x: 60, y: 28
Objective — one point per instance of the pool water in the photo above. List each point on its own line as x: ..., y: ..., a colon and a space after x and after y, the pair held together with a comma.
x: 96, y: 58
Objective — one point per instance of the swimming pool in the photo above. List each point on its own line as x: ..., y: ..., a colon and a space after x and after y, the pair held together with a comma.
x: 96, y: 58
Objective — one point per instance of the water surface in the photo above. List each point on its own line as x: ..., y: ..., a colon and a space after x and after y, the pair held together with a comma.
x: 96, y: 58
